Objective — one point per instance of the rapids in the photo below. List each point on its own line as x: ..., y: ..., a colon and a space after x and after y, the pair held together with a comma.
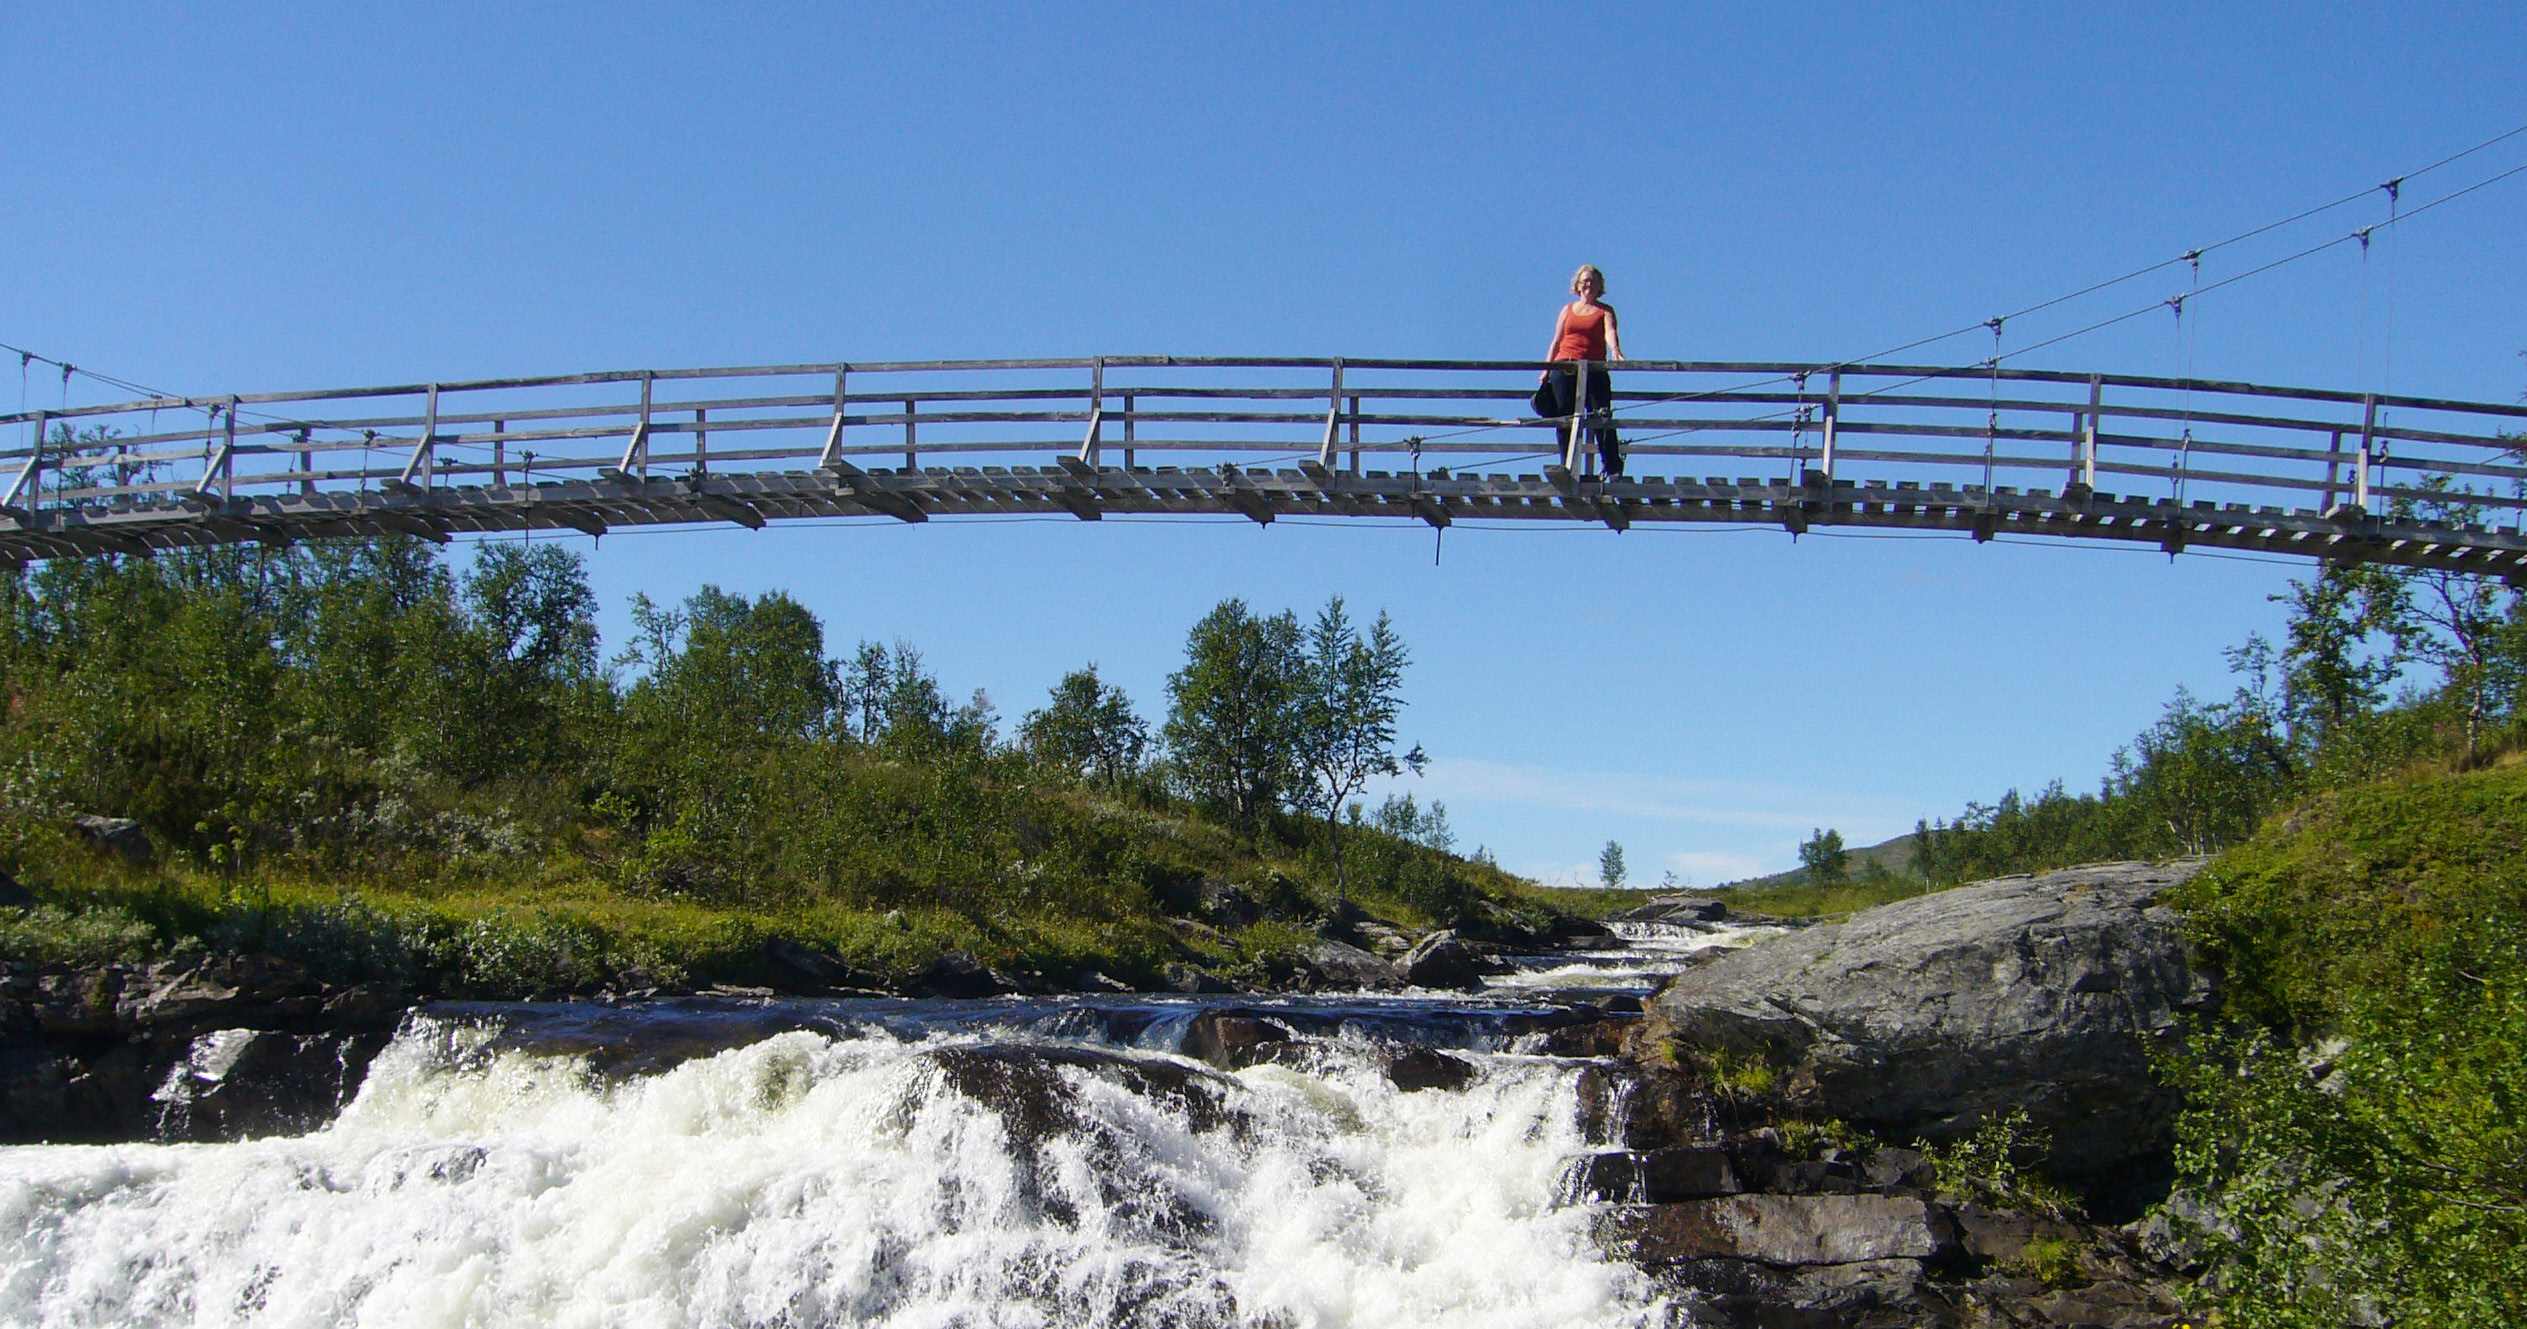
x: 1021, y: 1163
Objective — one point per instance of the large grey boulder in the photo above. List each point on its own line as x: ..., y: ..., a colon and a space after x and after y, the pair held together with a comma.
x: 1937, y: 1014
x: 1336, y: 964
x: 1443, y: 960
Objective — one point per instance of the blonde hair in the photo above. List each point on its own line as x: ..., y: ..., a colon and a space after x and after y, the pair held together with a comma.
x: 1586, y: 271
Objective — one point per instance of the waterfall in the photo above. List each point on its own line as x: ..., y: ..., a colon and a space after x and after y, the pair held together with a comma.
x: 968, y: 1177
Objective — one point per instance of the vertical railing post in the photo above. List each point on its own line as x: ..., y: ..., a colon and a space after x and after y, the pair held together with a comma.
x: 1579, y: 416
x: 1092, y: 445
x: 499, y: 454
x: 701, y: 442
x: 1128, y: 408
x: 306, y: 464
x: 833, y: 435
x: 912, y: 460
x: 648, y: 379
x: 228, y: 454
x: 2333, y: 470
x: 2368, y: 437
x: 424, y: 453
x: 1355, y: 433
x: 1833, y: 419
x: 2088, y: 438
x: 1333, y: 420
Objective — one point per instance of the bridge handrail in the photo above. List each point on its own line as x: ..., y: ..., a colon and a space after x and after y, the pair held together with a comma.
x: 1774, y: 368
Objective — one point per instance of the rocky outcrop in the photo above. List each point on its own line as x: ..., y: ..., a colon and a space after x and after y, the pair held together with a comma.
x: 119, y: 836
x: 1444, y: 960
x: 1790, y: 1229
x: 1933, y: 1016
x: 195, y: 1048
x: 959, y: 974
x: 1334, y: 964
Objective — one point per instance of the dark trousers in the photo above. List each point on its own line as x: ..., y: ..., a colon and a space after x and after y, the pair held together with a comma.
x: 1558, y: 392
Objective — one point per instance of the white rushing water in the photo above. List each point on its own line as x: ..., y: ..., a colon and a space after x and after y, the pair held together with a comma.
x: 814, y: 1180
x: 1649, y: 952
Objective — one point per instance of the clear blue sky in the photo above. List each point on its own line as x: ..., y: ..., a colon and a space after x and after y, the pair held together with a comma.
x: 266, y: 197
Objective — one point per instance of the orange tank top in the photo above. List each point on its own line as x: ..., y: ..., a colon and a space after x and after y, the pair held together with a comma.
x: 1583, y: 333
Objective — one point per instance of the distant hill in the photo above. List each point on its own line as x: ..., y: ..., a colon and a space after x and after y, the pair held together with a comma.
x: 1877, y: 874
x: 1895, y: 855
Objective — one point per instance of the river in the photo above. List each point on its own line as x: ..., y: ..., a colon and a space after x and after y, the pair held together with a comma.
x: 1021, y: 1162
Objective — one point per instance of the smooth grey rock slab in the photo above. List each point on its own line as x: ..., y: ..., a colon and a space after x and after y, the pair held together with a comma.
x: 1784, y: 1229
x: 1936, y: 1014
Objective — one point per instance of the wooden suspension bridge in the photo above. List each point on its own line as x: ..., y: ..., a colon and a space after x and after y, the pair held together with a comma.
x: 1986, y: 450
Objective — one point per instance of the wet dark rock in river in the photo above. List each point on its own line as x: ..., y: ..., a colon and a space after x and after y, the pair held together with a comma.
x: 1935, y: 1015
x: 958, y: 974
x: 1026, y: 1086
x: 1233, y: 1039
x: 1427, y: 1068
x: 1192, y: 980
x: 1444, y: 960
x: 1336, y: 964
x: 237, y: 1083
x: 815, y: 970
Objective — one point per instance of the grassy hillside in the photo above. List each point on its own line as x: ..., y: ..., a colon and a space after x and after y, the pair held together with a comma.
x: 364, y: 758
x: 2363, y: 1123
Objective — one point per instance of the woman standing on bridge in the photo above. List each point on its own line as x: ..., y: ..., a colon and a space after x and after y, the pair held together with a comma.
x: 1585, y: 331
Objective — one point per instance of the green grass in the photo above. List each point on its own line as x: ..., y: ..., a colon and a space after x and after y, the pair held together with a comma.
x: 2362, y: 1118
x: 581, y: 915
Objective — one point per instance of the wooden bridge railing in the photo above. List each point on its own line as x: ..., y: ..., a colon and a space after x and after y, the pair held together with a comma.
x: 2326, y: 472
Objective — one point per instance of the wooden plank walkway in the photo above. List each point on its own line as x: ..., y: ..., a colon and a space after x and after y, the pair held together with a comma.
x: 2173, y: 463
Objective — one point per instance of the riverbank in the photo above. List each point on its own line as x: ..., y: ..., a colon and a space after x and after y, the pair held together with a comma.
x: 1482, y: 1152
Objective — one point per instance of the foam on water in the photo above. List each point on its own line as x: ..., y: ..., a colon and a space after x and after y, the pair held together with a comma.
x: 808, y: 1180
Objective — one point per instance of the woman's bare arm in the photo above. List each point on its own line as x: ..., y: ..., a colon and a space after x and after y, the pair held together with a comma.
x: 1614, y: 333
x: 1560, y: 318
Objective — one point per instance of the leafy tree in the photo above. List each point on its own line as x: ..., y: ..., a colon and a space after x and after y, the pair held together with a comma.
x: 2329, y: 679
x: 2205, y: 774
x: 1087, y: 729
x: 744, y: 668
x: 1610, y: 869
x: 1351, y: 690
x: 1824, y: 857
x: 528, y: 663
x: 1233, y: 719
x: 866, y: 683
x: 1404, y: 819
